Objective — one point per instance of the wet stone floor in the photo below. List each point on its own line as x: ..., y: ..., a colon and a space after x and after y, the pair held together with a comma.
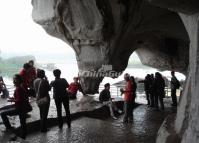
x: 94, y: 129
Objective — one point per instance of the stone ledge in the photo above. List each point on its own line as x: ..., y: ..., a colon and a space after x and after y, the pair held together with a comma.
x: 167, y: 133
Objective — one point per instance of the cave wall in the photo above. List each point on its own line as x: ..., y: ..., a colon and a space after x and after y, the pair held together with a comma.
x: 186, y: 126
x: 187, y: 122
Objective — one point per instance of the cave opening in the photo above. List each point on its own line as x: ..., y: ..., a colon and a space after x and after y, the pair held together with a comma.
x: 157, y: 34
x: 139, y: 71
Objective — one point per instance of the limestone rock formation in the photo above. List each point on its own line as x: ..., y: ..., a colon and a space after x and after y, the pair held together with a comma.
x: 106, y: 32
x: 164, y: 33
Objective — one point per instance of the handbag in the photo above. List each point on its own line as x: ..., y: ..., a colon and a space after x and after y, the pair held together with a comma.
x: 41, y: 101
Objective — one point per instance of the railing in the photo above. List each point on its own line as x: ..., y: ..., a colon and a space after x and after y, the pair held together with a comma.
x: 115, y: 90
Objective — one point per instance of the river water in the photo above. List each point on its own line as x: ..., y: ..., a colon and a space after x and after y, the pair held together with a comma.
x: 70, y: 69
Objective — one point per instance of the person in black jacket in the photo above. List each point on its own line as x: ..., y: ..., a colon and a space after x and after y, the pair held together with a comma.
x: 105, y: 98
x: 147, y: 83
x: 152, y: 90
x: 175, y: 84
x: 159, y: 90
x: 60, y: 96
x: 134, y: 88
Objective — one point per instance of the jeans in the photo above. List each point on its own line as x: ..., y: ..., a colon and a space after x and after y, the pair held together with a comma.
x: 65, y: 102
x: 128, y: 114
x: 111, y: 106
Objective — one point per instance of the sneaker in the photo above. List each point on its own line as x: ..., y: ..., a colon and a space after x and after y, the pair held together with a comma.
x: 130, y: 119
x: 44, y: 130
x: 10, y: 129
x: 174, y: 105
x: 23, y: 137
x: 119, y: 111
x: 69, y: 126
x: 125, y: 121
x: 13, y: 138
x: 115, y: 118
x: 60, y: 127
x: 156, y: 109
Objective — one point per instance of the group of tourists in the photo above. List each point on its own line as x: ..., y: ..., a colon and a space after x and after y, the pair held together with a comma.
x: 155, y: 89
x: 32, y: 82
x: 129, y: 92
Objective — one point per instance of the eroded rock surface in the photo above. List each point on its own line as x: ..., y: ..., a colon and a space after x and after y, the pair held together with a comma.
x: 164, y: 33
x: 106, y: 32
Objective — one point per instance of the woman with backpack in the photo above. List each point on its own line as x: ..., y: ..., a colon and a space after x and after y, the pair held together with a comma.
x: 42, y: 87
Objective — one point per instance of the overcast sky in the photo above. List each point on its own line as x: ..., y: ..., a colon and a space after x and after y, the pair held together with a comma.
x: 21, y: 36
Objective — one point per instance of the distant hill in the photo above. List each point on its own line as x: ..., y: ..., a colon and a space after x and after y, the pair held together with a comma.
x: 11, y: 66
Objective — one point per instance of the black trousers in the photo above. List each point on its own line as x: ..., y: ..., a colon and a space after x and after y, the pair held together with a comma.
x: 152, y: 99
x: 65, y: 102
x: 160, y: 98
x: 43, y: 115
x: 128, y: 114
x: 132, y: 105
x: 12, y: 111
x: 148, y: 97
x: 173, y: 96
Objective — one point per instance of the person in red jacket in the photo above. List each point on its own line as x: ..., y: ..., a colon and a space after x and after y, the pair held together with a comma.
x: 73, y: 88
x: 32, y: 74
x: 127, y: 91
x: 20, y: 108
x: 24, y: 73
